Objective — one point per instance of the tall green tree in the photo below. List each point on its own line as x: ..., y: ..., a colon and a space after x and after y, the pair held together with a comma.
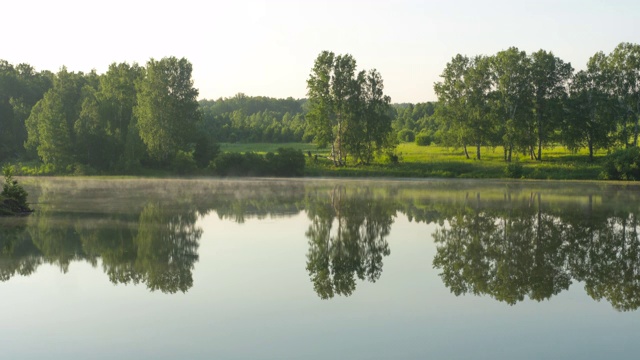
x: 167, y: 108
x: 464, y: 92
x: 591, y: 108
x: 117, y: 98
x: 51, y: 123
x: 549, y: 77
x: 452, y: 114
x: 511, y: 98
x: 625, y: 66
x: 20, y: 88
x: 347, y: 110
x: 368, y: 132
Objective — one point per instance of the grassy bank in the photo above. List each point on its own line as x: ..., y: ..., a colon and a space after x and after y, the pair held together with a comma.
x: 435, y: 161
x: 414, y: 162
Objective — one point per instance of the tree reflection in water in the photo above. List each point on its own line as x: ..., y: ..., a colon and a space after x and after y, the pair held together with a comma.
x: 510, y: 250
x: 347, y: 239
x: 152, y: 245
x: 510, y: 242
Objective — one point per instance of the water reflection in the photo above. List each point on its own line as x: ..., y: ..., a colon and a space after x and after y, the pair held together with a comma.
x: 347, y: 238
x: 528, y: 247
x: 509, y: 241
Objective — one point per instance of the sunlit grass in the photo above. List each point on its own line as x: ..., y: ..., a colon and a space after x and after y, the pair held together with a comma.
x: 263, y: 148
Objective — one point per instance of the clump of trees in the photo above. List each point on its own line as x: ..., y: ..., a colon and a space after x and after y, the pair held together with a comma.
x: 129, y: 116
x: 526, y: 102
x: 113, y: 122
x: 348, y: 111
x: 251, y: 119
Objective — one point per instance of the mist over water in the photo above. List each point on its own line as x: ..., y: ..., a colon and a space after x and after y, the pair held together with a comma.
x: 166, y: 268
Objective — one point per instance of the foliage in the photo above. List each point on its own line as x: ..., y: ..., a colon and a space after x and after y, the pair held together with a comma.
x: 623, y: 164
x: 183, y: 163
x: 166, y: 110
x: 423, y: 139
x: 513, y: 170
x: 21, y: 87
x: 406, y: 135
x: 348, y: 111
x: 254, y: 119
x: 205, y: 150
x: 285, y: 162
x: 13, y: 196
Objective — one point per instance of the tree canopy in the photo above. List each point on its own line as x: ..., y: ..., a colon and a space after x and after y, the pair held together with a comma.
x: 348, y: 110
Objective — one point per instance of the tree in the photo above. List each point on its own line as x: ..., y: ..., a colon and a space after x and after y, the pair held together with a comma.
x: 368, y: 135
x: 116, y: 100
x: 348, y: 111
x: 464, y: 93
x: 549, y: 78
x: 511, y: 99
x: 48, y: 131
x: 625, y: 66
x: 167, y: 109
x: 20, y: 88
x: 588, y: 122
x: 451, y: 92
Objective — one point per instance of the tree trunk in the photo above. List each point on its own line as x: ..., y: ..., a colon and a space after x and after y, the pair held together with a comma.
x: 466, y: 152
x: 590, y: 150
x: 532, y: 152
x: 539, y: 115
x: 635, y: 132
x: 339, y: 140
x: 477, y: 151
x: 510, y: 151
x: 333, y: 153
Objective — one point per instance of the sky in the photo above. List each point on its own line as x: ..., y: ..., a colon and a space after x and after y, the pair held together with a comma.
x: 267, y: 48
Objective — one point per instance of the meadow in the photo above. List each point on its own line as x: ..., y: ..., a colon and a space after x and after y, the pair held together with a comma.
x: 435, y: 161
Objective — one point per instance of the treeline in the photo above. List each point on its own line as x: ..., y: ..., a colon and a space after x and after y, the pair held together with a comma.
x: 116, y: 121
x: 256, y: 119
x: 526, y: 102
x: 136, y: 116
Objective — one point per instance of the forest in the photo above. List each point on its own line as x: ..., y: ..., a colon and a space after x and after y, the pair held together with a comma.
x: 135, y: 116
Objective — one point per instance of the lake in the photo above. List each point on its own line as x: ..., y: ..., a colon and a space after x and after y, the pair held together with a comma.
x: 321, y: 269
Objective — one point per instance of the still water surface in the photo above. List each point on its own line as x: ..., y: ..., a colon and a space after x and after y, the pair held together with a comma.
x: 318, y: 269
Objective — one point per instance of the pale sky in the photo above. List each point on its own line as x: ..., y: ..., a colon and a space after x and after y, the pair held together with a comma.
x: 268, y: 47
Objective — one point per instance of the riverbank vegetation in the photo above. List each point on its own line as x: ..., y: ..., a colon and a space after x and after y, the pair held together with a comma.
x: 13, y: 198
x: 510, y: 114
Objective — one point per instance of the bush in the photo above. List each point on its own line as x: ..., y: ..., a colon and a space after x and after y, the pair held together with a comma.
x: 236, y: 164
x: 513, y: 170
x: 13, y: 194
x: 183, y: 163
x: 622, y: 164
x: 423, y: 139
x: 285, y: 162
x: 205, y: 150
x: 406, y: 135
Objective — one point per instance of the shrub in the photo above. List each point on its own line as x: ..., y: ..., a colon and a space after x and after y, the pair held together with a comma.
x: 406, y: 135
x: 183, y: 162
x: 15, y: 193
x: 423, y: 139
x: 236, y: 164
x: 622, y: 164
x: 205, y: 150
x: 513, y: 170
x: 285, y: 162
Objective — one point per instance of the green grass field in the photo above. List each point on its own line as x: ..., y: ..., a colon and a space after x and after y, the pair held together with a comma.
x: 435, y: 161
